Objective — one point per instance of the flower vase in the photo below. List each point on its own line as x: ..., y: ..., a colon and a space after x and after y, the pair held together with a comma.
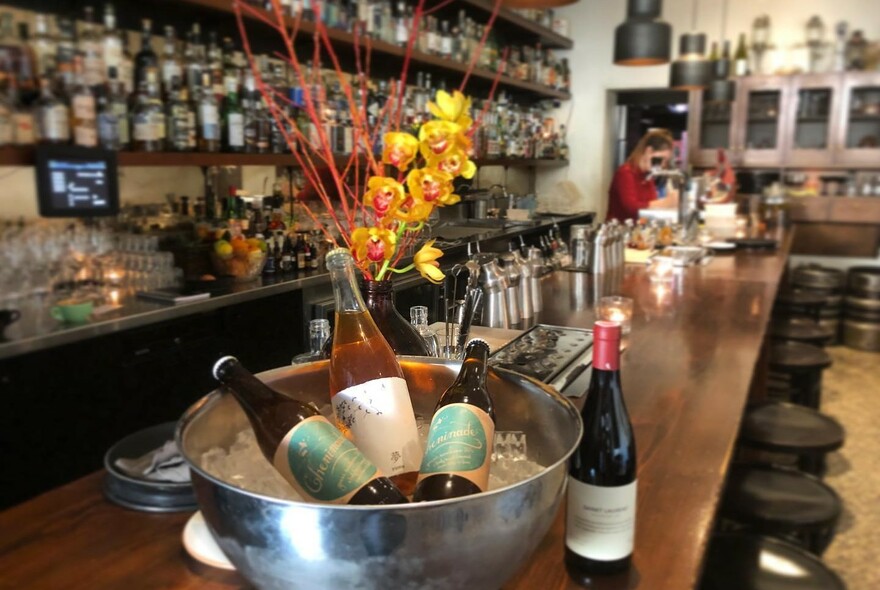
x: 401, y: 335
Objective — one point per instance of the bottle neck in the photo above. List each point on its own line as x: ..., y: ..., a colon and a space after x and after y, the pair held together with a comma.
x: 345, y: 288
x: 379, y: 296
x: 606, y: 355
x: 473, y: 368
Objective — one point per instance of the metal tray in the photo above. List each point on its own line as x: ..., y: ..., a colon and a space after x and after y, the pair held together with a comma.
x: 552, y: 354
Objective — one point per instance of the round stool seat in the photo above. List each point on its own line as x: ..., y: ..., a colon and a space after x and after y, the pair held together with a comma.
x: 797, y: 357
x: 736, y: 561
x: 801, y: 330
x: 789, y: 428
x: 770, y: 497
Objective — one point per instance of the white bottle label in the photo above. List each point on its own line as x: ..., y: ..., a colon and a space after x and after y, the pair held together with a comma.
x: 600, y: 521
x: 83, y: 107
x: 378, y: 416
x: 24, y: 128
x: 236, y: 129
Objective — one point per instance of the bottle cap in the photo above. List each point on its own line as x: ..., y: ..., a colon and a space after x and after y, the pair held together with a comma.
x: 221, y: 365
x: 603, y: 330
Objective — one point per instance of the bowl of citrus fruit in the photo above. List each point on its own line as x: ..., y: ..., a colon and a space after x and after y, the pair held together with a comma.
x: 240, y: 257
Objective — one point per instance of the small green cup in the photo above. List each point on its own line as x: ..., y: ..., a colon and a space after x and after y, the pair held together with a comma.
x: 72, y: 313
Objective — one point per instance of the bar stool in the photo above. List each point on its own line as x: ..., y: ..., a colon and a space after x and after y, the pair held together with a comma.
x: 796, y: 368
x: 737, y: 561
x: 782, y: 427
x: 801, y: 330
x: 796, y: 303
x: 782, y: 503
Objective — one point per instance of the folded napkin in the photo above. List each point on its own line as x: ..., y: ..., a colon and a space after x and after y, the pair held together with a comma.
x: 162, y: 464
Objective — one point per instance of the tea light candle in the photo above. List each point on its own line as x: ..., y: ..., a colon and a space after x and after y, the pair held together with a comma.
x: 114, y: 297
x: 616, y: 309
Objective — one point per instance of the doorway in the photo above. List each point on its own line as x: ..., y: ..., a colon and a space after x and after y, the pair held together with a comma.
x: 638, y: 111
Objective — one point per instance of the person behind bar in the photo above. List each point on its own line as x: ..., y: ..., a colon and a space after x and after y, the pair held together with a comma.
x: 633, y: 188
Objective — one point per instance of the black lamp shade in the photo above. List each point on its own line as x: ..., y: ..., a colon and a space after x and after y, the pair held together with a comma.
x: 641, y: 40
x: 692, y: 45
x: 691, y: 71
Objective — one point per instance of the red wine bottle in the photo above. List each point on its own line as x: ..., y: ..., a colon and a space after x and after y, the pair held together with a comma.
x: 601, y: 515
x: 461, y: 435
x: 309, y: 452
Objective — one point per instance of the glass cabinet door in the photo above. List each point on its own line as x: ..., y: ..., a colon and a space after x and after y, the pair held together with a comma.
x: 760, y: 122
x: 812, y: 119
x: 859, y: 138
x: 710, y: 128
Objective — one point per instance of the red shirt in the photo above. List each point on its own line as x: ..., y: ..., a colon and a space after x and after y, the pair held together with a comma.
x: 630, y: 191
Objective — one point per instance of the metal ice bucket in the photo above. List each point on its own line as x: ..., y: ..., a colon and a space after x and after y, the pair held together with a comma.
x: 473, y: 542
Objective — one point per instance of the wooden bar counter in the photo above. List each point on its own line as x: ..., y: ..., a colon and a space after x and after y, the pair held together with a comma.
x: 687, y: 373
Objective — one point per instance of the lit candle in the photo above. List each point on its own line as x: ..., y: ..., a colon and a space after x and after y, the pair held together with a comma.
x: 114, y: 297
x: 616, y: 309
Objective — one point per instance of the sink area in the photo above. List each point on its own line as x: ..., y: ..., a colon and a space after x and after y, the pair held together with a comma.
x: 461, y: 229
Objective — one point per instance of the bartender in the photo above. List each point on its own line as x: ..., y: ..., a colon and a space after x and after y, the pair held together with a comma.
x: 633, y: 188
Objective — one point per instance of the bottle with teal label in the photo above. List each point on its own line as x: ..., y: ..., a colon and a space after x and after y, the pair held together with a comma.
x: 461, y: 435
x: 309, y: 452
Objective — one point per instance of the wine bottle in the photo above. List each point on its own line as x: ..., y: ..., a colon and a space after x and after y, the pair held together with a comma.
x: 461, y: 434
x: 369, y: 395
x: 308, y: 451
x: 600, y: 521
x: 741, y: 57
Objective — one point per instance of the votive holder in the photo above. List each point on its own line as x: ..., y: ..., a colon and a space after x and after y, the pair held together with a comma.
x: 615, y: 308
x: 661, y: 269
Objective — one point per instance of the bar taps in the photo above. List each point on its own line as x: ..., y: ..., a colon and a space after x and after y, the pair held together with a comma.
x: 494, y: 282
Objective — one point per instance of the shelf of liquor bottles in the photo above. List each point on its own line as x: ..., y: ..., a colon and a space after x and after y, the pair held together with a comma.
x: 24, y: 156
x: 441, y: 65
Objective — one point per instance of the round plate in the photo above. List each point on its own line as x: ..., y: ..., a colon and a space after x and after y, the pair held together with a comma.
x: 720, y: 246
x: 200, y: 544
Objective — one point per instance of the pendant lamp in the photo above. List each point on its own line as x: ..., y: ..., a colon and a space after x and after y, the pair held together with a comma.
x: 722, y: 88
x: 691, y: 71
x: 642, y: 40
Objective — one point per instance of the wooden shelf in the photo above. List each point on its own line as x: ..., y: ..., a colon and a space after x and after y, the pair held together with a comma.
x: 513, y: 20
x: 24, y: 156
x: 342, y: 39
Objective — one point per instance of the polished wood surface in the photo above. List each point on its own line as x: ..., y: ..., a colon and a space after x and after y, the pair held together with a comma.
x: 686, y: 376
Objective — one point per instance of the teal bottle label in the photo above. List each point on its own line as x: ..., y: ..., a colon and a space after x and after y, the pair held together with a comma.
x: 460, y: 442
x: 317, y: 460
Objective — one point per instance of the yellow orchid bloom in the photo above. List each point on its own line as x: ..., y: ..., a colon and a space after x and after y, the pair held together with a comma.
x: 400, y: 149
x: 374, y: 244
x: 426, y: 263
x: 384, y: 195
x: 455, y: 163
x: 414, y: 211
x: 429, y: 185
x: 452, y: 107
x: 438, y: 137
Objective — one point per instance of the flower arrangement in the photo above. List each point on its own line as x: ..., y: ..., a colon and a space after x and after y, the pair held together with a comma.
x: 384, y: 197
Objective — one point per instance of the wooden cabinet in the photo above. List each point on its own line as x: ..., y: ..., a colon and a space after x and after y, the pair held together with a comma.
x: 803, y: 121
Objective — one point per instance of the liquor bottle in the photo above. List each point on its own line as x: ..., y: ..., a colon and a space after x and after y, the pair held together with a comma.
x: 171, y: 65
x: 367, y: 389
x: 53, y: 119
x: 418, y: 317
x: 148, y: 115
x: 83, y: 110
x: 45, y: 47
x: 300, y: 250
x: 214, y: 65
x: 462, y: 433
x: 27, y: 65
x: 181, y: 119
x: 194, y: 60
x: 208, y: 117
x: 233, y: 119
x: 22, y: 117
x: 313, y: 256
x: 312, y: 455
x: 113, y: 115
x: 600, y: 520
x: 145, y: 59
x: 263, y: 125
x: 319, y: 334
x: 10, y: 50
x: 66, y: 51
x: 741, y: 57
x: 7, y: 124
x: 126, y: 66
x: 111, y: 42
x: 92, y: 51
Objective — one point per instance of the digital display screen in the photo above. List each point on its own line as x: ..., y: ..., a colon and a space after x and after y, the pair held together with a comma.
x: 76, y: 182
x: 78, y: 185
